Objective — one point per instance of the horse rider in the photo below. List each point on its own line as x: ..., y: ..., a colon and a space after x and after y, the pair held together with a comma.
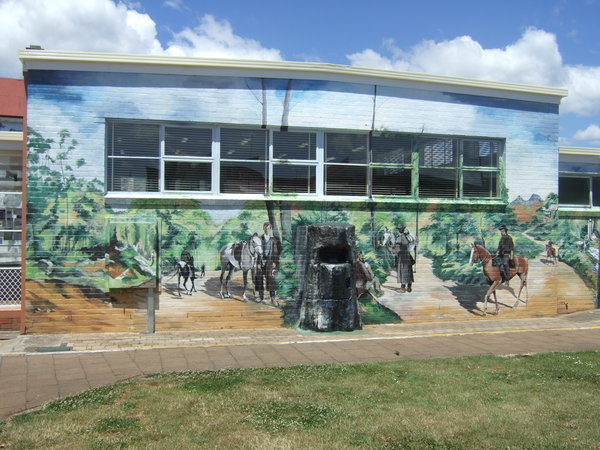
x: 505, y: 250
x: 550, y: 250
x: 268, y: 264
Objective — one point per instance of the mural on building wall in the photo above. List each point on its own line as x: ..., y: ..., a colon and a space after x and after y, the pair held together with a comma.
x: 216, y: 264
x: 410, y: 264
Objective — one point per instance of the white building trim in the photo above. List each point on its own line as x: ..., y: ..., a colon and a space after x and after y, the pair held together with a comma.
x: 579, y: 151
x: 172, y: 65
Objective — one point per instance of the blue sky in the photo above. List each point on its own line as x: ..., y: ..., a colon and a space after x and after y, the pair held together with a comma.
x: 541, y: 42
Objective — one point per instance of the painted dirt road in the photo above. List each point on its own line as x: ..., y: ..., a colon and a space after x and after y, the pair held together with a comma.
x: 429, y: 298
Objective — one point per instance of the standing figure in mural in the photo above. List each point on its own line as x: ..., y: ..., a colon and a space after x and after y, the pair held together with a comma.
x: 403, y: 245
x: 551, y: 252
x: 203, y: 271
x: 505, y: 252
x: 268, y: 265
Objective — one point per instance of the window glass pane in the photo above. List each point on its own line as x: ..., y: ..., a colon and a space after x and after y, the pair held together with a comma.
x: 391, y: 181
x: 10, y: 218
x: 133, y: 175
x: 187, y: 176
x: 134, y: 139
x: 243, y: 144
x: 574, y: 191
x: 243, y: 177
x: 346, y: 148
x: 440, y: 183
x: 345, y: 180
x: 294, y: 179
x: 11, y: 123
x: 480, y: 153
x: 480, y: 184
x: 291, y: 145
x: 439, y: 152
x: 596, y: 191
x: 11, y: 173
x: 391, y: 149
x: 180, y: 141
x: 10, y: 250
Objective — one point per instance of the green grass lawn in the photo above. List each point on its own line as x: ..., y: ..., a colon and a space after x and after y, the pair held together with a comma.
x: 540, y: 401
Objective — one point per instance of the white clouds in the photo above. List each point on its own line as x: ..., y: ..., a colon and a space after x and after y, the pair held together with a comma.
x: 175, y: 4
x: 94, y: 25
x: 533, y: 59
x: 591, y: 134
x: 583, y: 83
x: 214, y: 38
x: 106, y: 26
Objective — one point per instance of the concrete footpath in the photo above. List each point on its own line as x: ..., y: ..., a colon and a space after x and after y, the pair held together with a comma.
x: 35, y: 369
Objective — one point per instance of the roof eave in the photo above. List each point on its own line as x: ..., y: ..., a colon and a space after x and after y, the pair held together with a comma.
x: 121, y: 62
x: 579, y: 151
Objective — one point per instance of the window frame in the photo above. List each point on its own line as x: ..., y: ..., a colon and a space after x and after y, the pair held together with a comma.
x: 590, y: 178
x: 308, y: 162
x: 411, y: 168
x: 164, y: 158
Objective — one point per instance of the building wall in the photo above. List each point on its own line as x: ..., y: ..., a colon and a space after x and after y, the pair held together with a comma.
x: 12, y: 109
x: 90, y: 259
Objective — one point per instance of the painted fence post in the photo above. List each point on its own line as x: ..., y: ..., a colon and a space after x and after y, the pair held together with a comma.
x: 150, y: 316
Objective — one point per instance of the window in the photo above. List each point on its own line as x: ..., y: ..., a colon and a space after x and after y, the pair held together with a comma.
x: 133, y: 157
x: 391, y: 164
x: 294, y: 167
x: 346, y: 164
x: 10, y: 208
x: 438, y: 167
x: 188, y: 159
x: 459, y: 168
x: 579, y: 190
x: 480, y: 162
x: 163, y: 158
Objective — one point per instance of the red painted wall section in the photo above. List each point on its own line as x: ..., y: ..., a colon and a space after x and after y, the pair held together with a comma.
x: 12, y: 97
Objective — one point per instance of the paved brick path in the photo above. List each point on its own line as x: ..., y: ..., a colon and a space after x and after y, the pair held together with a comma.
x: 35, y: 369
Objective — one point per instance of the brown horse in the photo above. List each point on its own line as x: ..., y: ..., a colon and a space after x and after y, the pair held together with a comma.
x: 492, y: 273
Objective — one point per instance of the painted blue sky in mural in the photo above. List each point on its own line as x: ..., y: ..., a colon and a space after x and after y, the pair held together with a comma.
x: 552, y: 43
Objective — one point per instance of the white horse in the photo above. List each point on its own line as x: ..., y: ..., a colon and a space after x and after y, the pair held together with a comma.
x: 241, y: 255
x: 389, y: 238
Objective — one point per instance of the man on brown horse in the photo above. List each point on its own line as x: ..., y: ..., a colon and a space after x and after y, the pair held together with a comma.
x: 505, y: 252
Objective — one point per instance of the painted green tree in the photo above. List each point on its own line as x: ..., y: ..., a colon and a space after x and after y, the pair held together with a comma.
x: 69, y: 232
x: 64, y: 211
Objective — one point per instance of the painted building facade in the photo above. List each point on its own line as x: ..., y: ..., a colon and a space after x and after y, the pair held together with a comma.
x: 156, y: 177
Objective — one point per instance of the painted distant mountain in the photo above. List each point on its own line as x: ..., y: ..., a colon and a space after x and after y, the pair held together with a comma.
x: 534, y: 200
x: 525, y: 210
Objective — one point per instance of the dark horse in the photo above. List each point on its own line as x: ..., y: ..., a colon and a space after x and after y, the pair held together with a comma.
x: 185, y: 269
x: 492, y: 273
